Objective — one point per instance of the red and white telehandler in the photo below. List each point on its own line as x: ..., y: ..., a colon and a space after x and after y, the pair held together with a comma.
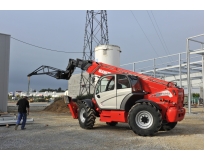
x: 146, y: 103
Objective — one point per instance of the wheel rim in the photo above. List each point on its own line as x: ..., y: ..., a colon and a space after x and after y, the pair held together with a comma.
x: 82, y: 118
x: 144, y: 119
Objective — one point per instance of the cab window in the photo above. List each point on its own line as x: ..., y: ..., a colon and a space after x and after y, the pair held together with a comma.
x: 105, y: 84
x: 122, y: 82
x: 135, y: 82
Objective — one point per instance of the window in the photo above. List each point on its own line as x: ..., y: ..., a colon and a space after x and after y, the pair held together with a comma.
x: 122, y: 82
x: 135, y: 82
x: 105, y: 84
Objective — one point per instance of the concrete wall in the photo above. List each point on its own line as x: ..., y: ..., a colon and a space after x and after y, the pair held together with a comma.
x: 74, y: 85
x: 4, y: 70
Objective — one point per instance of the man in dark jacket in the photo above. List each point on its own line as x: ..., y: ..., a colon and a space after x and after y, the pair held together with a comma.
x: 23, y: 111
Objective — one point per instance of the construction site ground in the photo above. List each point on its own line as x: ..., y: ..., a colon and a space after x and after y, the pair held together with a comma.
x: 55, y: 129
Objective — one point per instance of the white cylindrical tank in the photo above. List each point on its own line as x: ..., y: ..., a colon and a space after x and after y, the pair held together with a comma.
x: 109, y: 54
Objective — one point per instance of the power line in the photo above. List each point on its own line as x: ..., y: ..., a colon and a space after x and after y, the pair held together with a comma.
x: 160, y: 32
x: 157, y: 32
x: 43, y: 47
x: 144, y: 34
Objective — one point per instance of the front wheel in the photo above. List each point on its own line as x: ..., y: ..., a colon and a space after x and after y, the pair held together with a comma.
x: 86, y: 116
x: 144, y: 120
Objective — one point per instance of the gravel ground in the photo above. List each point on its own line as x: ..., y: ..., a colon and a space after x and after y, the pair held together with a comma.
x: 59, y: 131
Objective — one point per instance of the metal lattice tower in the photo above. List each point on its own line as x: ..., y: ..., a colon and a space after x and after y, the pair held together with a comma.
x: 96, y: 33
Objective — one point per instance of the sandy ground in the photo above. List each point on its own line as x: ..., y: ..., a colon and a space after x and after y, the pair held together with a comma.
x: 59, y: 131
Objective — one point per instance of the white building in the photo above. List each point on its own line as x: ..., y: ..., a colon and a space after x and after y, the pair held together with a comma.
x: 44, y: 94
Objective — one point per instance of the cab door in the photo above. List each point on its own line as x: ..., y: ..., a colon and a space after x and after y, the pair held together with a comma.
x: 123, y: 88
x: 105, y: 92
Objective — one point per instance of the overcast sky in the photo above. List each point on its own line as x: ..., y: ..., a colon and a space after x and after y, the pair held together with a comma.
x: 63, y: 30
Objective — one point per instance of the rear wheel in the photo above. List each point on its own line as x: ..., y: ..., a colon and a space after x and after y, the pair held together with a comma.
x: 86, y: 116
x: 144, y: 120
x: 168, y: 126
x: 112, y: 123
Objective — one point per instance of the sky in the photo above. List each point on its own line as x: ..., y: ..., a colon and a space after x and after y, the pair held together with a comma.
x: 62, y: 29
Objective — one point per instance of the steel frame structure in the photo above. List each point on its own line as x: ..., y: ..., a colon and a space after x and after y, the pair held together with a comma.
x: 192, y: 52
x: 96, y: 33
x: 187, y: 71
x: 50, y: 71
x: 164, y: 70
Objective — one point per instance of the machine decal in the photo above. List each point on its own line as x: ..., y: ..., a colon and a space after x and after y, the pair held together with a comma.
x: 103, y: 72
x: 162, y: 93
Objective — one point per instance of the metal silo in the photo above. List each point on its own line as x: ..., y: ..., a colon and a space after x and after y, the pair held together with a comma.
x: 109, y: 54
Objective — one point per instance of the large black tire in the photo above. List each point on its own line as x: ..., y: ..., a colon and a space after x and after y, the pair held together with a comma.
x: 86, y: 116
x: 111, y: 123
x: 168, y: 126
x: 144, y: 120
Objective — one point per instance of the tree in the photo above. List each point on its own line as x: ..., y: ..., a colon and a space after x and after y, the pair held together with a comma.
x: 59, y: 89
x: 195, y: 95
x: 52, y: 90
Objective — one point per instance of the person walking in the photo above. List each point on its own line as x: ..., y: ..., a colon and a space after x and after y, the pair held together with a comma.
x: 23, y: 111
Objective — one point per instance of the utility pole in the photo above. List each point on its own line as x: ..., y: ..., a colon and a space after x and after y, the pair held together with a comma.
x: 28, y: 86
x: 96, y: 33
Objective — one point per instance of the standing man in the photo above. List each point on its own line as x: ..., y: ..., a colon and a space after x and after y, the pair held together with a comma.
x: 23, y: 111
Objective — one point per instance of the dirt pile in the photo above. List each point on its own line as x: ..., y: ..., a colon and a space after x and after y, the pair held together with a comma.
x: 58, y: 106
